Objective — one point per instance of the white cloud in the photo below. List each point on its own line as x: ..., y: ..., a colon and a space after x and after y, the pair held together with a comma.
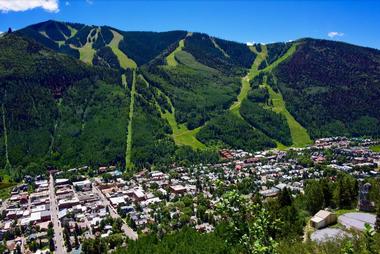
x: 250, y: 43
x: 335, y: 34
x: 24, y: 5
x: 67, y: 3
x: 89, y: 2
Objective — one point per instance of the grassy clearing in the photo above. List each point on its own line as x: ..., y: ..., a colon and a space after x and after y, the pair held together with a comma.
x: 8, y: 164
x: 245, y: 87
x: 344, y: 211
x: 72, y: 30
x: 5, y: 190
x: 188, y: 59
x: 375, y: 148
x: 181, y: 134
x: 128, y: 155
x: 281, y: 146
x: 300, y: 137
x: 5, y: 186
x: 290, y: 52
x: 170, y: 59
x: 218, y: 47
x: 86, y: 53
x: 124, y: 61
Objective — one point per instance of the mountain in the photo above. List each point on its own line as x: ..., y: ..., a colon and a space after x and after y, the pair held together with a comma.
x: 74, y: 94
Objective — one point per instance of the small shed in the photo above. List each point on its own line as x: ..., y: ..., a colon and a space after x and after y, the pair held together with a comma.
x: 323, y: 219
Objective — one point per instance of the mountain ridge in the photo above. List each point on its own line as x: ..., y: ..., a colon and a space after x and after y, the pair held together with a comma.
x: 177, y: 106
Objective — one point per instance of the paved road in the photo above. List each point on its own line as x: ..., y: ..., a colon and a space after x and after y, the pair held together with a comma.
x: 58, y: 231
x: 127, y: 230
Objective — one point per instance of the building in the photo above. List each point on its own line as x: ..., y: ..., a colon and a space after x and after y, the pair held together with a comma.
x: 364, y: 203
x: 61, y: 181
x: 83, y: 185
x: 178, y: 189
x: 138, y: 195
x: 116, y: 201
x: 323, y: 219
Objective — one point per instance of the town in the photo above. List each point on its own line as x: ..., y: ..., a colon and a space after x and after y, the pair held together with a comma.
x: 59, y: 210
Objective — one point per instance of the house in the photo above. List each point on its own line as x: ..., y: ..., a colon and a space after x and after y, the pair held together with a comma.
x: 323, y: 219
x: 67, y: 203
x: 61, y: 181
x: 116, y: 201
x: 272, y: 192
x: 138, y: 195
x: 83, y: 185
x: 177, y: 189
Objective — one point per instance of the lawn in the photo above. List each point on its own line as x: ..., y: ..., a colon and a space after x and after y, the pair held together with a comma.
x: 124, y: 61
x: 375, y: 148
x: 5, y: 186
x: 344, y: 211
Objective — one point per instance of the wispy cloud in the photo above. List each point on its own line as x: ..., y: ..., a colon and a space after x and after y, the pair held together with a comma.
x: 89, y: 2
x: 67, y: 3
x: 335, y: 34
x: 24, y: 5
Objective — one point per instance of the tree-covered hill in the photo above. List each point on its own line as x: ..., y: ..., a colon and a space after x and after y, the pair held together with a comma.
x: 333, y: 88
x: 83, y: 41
x: 179, y: 88
x: 56, y: 110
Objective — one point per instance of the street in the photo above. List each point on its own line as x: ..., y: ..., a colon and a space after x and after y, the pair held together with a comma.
x: 58, y: 231
x: 127, y: 230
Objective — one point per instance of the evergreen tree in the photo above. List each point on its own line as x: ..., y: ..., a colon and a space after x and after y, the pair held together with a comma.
x: 377, y: 223
x: 51, y: 244
x: 285, y: 198
x: 345, y: 191
x: 314, y: 198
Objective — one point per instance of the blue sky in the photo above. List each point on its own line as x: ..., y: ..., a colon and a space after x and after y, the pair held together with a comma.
x: 356, y: 22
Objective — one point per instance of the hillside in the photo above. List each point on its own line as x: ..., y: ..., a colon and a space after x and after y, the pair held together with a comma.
x: 57, y: 110
x: 181, y: 90
x: 332, y: 88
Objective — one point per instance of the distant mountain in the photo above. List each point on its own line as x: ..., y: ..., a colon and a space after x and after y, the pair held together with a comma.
x: 143, y: 98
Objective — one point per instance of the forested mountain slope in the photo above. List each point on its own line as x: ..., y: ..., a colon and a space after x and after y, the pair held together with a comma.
x: 182, y: 90
x: 57, y: 110
x: 333, y: 88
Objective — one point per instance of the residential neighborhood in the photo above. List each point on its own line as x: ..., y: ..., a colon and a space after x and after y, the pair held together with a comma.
x: 63, y: 208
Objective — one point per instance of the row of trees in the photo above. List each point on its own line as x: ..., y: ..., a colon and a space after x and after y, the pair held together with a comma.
x: 323, y: 193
